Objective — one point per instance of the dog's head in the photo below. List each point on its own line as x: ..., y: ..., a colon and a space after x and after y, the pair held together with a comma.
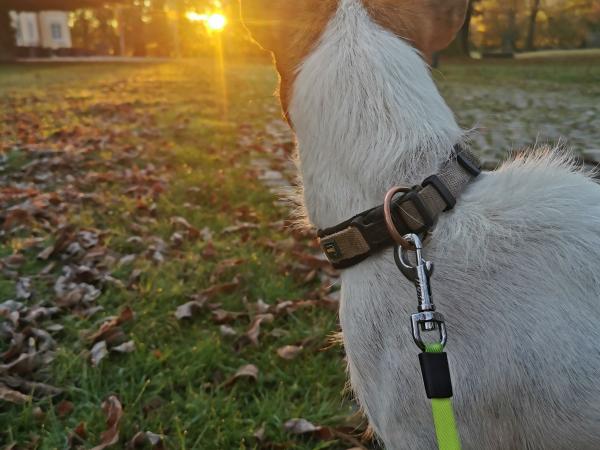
x: 291, y: 28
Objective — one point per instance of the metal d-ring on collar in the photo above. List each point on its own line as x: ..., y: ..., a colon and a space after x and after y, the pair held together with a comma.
x: 389, y: 221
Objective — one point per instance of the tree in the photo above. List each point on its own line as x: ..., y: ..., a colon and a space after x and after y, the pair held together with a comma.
x: 533, y: 14
x: 465, y: 32
x: 7, y: 35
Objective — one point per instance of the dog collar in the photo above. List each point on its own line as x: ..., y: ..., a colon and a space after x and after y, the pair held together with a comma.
x: 416, y: 212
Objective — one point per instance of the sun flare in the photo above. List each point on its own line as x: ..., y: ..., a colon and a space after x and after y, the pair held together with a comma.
x: 212, y: 21
x: 216, y: 22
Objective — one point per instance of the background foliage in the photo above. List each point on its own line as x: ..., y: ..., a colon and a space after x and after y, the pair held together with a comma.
x: 160, y: 27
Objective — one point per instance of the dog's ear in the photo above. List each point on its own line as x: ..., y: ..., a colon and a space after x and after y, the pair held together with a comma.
x: 430, y: 25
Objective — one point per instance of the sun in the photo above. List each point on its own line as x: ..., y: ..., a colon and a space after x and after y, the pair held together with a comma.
x: 216, y: 22
x: 213, y: 21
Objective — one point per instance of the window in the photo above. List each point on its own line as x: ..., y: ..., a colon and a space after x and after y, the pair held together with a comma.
x: 30, y: 30
x: 56, y: 30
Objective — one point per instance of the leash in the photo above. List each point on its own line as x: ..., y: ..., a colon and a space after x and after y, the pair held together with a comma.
x: 398, y: 223
x: 433, y: 359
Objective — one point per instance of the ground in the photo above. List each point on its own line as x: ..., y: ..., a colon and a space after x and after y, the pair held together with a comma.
x: 127, y: 191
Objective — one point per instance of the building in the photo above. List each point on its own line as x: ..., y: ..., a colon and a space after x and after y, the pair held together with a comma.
x: 42, y: 32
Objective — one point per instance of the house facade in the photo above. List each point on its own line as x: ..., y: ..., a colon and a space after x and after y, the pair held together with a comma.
x: 45, y: 30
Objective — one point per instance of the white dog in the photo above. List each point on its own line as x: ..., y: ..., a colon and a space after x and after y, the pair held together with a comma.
x: 518, y: 258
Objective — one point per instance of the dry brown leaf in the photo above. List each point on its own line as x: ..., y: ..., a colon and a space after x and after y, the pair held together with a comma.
x: 227, y: 331
x: 248, y: 371
x: 78, y: 436
x: 289, y: 352
x: 12, y: 396
x: 64, y: 408
x: 311, y: 261
x: 259, y: 434
x: 241, y: 226
x: 15, y: 260
x: 23, y: 288
x: 33, y: 388
x: 142, y: 438
x: 98, y: 353
x: 106, y: 330
x: 224, y: 288
x: 223, y: 266
x: 304, y: 427
x: 125, y: 347
x: 253, y: 332
x: 220, y: 316
x: 209, y: 251
x: 114, y: 412
x: 300, y: 426
x: 190, y: 309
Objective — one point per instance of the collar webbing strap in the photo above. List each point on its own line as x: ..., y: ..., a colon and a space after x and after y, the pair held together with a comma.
x: 417, y: 211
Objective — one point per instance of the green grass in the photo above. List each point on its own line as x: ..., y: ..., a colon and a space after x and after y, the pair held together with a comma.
x: 538, y: 74
x: 172, y: 117
x: 178, y: 366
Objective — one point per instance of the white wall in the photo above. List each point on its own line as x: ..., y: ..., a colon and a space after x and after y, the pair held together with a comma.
x: 27, y: 31
x: 54, y: 29
x: 48, y: 29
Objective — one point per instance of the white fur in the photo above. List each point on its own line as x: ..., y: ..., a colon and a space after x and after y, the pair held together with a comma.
x: 517, y: 261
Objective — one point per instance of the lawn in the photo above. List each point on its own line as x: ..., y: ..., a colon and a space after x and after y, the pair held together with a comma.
x: 127, y: 191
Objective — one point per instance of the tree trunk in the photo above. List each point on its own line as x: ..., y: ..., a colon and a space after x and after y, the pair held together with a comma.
x: 465, y: 32
x: 535, y: 9
x: 509, y: 38
x: 7, y: 37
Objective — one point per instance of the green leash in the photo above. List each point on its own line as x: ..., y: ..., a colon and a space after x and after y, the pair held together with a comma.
x: 433, y: 360
x: 443, y: 415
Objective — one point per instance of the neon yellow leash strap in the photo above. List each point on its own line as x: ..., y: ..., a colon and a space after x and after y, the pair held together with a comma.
x: 443, y: 415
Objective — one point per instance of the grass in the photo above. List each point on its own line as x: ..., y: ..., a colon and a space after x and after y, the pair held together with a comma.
x: 172, y: 117
x: 177, y: 365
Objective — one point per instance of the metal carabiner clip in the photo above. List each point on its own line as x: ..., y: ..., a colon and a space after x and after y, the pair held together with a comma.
x: 427, y: 319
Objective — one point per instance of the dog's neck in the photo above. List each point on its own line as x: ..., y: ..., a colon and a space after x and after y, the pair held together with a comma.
x: 367, y: 116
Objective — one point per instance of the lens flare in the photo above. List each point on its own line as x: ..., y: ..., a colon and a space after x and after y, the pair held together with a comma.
x: 216, y: 22
x: 213, y: 21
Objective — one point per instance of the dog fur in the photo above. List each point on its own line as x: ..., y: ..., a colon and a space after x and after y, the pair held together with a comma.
x: 517, y: 261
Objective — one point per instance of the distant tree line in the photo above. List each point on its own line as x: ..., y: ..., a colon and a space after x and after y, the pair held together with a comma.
x: 525, y: 25
x: 160, y: 27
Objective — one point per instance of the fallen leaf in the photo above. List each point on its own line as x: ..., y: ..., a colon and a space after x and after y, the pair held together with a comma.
x: 98, y: 353
x: 142, y: 438
x: 12, y: 396
x: 78, y: 436
x: 248, y: 371
x: 242, y: 226
x: 304, y: 427
x: 15, y: 261
x: 227, y: 331
x: 64, y: 408
x: 23, y: 288
x: 259, y: 434
x: 223, y: 266
x: 209, y: 251
x: 190, y: 309
x: 114, y: 412
x: 224, y: 288
x: 125, y: 347
x: 300, y: 426
x: 220, y: 316
x: 254, y: 331
x: 111, y: 324
x: 33, y: 388
x: 289, y: 352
